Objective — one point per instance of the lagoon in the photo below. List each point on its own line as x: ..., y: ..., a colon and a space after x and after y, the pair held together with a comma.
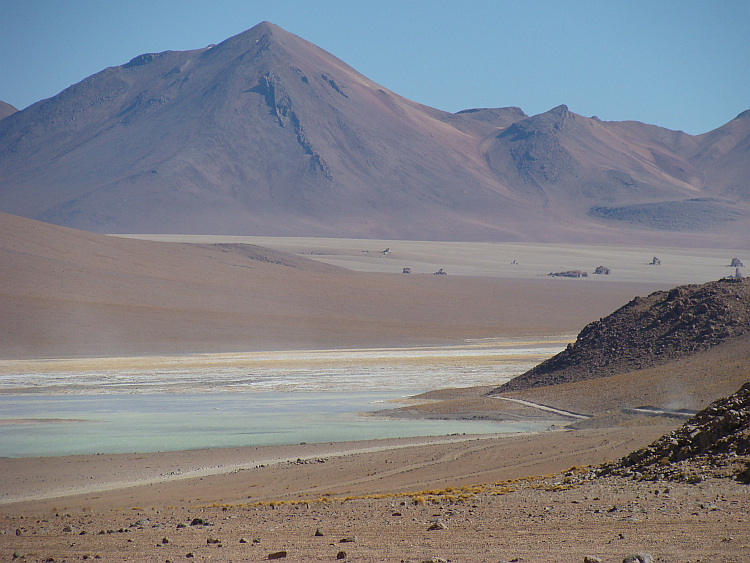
x: 122, y: 405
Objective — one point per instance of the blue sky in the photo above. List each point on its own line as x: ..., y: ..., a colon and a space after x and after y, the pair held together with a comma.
x: 678, y: 64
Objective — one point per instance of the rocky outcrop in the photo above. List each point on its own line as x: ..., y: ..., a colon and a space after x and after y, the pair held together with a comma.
x: 715, y: 441
x: 648, y: 331
x: 569, y: 274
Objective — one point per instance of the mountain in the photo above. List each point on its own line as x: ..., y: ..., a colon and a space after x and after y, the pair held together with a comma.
x: 6, y: 110
x: 265, y: 133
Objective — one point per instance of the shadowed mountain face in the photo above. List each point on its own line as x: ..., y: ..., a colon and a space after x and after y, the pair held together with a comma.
x: 266, y: 133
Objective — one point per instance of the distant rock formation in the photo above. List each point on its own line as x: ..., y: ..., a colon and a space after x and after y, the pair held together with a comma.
x: 655, y: 262
x: 737, y: 263
x: 441, y: 272
x: 569, y: 274
x: 602, y: 271
x: 406, y: 271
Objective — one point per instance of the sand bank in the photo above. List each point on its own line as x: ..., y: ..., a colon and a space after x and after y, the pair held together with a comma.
x: 286, y: 472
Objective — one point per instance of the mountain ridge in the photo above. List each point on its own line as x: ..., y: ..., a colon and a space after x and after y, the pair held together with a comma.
x: 266, y: 133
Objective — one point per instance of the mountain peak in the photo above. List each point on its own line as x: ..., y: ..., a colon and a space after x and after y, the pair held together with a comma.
x: 744, y: 115
x: 255, y: 33
x: 562, y: 109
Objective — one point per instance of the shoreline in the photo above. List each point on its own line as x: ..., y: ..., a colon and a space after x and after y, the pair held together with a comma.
x: 262, y: 456
x: 405, y: 464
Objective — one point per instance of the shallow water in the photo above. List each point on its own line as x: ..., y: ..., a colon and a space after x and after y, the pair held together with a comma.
x: 158, y: 422
x: 120, y: 405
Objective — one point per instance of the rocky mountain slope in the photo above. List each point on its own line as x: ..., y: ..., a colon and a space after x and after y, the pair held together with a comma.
x: 647, y: 332
x: 266, y: 133
x: 715, y: 441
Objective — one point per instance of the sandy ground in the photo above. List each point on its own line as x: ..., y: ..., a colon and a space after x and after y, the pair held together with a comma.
x: 383, y: 496
x: 66, y: 293
x: 499, y: 260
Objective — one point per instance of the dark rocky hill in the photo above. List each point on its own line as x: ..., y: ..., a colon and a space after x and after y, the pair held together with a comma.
x: 646, y: 332
x: 265, y: 133
x: 716, y: 441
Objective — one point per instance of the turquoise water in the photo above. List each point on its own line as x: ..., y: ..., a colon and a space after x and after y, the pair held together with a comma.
x: 168, y: 422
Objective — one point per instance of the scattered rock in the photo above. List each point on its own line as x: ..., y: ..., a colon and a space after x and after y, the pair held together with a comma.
x: 243, y: 540
x: 350, y: 539
x: 319, y: 533
x: 719, y: 433
x: 212, y: 541
x: 638, y: 558
x: 591, y: 559
x: 198, y: 522
x: 277, y: 555
x: 341, y: 555
x: 439, y: 525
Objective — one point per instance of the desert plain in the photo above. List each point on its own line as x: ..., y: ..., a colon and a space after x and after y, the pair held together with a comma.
x: 462, y: 497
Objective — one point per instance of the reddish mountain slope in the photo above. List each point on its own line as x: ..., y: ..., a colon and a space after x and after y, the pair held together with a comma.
x: 722, y: 155
x: 266, y: 133
x: 6, y: 110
